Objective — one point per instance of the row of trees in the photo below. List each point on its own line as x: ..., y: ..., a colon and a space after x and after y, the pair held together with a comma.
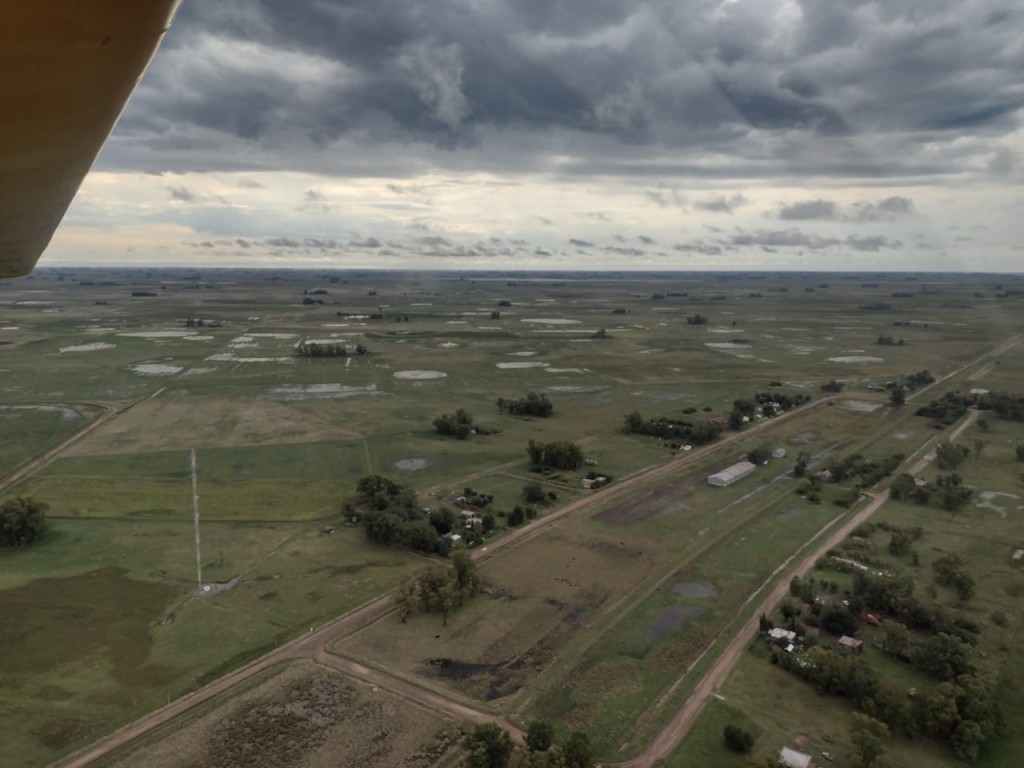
x: 533, y: 404
x: 947, y: 491
x: 22, y: 521
x: 327, y: 349
x: 962, y: 711
x: 458, y: 425
x: 438, y: 588
x: 669, y: 429
x: 560, y: 454
x: 490, y: 746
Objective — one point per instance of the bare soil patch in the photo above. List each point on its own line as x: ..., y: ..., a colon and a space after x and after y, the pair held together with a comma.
x: 412, y: 465
x: 306, y: 717
x: 662, y: 500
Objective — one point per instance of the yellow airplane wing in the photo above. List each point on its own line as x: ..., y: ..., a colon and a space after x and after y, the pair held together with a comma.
x: 67, y: 68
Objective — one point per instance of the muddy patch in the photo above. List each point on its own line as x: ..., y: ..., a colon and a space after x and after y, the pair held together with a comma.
x: 698, y: 590
x: 671, y: 620
x: 665, y: 500
x: 412, y: 465
x: 419, y: 375
x: 804, y: 438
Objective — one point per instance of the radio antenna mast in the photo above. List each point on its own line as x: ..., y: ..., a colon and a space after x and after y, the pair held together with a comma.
x: 195, y: 517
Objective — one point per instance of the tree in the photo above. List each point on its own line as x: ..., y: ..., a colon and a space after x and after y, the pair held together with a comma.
x: 950, y: 455
x: 1019, y: 450
x: 897, y: 396
x: 577, y: 751
x: 895, y: 638
x: 533, y: 493
x: 737, y: 739
x: 800, y: 468
x: 489, y: 746
x: 458, y: 425
x: 899, y: 543
x: 868, y: 737
x: 540, y: 735
x: 22, y: 521
x: 838, y: 620
x: 467, y: 581
x: 903, y: 487
x: 405, y: 598
x: 759, y: 455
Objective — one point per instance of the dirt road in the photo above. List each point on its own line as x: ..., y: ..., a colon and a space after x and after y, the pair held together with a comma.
x: 672, y: 734
x: 313, y: 644
x: 36, y: 464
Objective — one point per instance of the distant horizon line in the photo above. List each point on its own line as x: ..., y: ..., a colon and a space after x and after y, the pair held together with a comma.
x: 503, y: 271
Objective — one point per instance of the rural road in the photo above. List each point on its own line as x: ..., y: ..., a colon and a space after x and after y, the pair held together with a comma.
x: 36, y: 464
x: 672, y: 734
x: 313, y: 644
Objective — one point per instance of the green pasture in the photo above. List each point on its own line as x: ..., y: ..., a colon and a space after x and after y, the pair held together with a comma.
x: 986, y: 536
x: 100, y: 629
x: 281, y: 443
x: 665, y: 631
x: 279, y: 482
x: 26, y: 431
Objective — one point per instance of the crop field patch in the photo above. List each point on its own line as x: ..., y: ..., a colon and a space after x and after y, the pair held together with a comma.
x: 302, y: 715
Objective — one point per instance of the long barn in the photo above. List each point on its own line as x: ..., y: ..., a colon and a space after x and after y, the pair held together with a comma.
x: 730, y: 475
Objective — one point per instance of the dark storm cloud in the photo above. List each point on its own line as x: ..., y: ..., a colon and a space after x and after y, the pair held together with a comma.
x: 181, y: 194
x: 795, y: 238
x: 721, y: 204
x: 775, y: 87
x: 810, y: 210
x: 889, y: 209
x: 370, y: 242
x: 581, y: 243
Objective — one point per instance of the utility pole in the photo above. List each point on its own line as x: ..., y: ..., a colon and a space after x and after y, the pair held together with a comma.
x: 195, y: 517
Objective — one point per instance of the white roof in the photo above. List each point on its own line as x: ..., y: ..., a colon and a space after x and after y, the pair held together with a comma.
x: 782, y: 634
x: 793, y: 759
x: 738, y: 469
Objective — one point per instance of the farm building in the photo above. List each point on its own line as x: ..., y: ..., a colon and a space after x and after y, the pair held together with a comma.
x: 793, y: 759
x: 850, y: 644
x: 778, y: 633
x: 730, y: 475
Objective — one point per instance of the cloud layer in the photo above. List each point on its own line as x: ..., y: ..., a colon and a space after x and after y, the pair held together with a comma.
x: 830, y: 115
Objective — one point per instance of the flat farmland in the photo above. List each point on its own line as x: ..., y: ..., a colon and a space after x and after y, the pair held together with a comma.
x: 587, y: 621
x: 986, y: 533
x: 301, y: 714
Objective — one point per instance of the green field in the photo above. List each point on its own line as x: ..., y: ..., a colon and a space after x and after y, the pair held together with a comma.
x: 986, y: 533
x: 588, y: 622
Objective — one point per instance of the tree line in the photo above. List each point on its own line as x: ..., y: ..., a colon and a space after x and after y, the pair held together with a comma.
x: 327, y: 349
x: 534, y: 404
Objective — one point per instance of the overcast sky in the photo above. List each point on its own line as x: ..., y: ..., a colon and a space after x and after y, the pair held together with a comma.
x: 579, y: 134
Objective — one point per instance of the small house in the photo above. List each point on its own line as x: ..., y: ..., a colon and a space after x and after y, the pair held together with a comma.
x: 778, y: 633
x: 851, y: 644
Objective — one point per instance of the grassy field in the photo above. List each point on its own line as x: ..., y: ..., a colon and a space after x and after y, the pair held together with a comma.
x: 301, y: 713
x: 282, y: 441
x: 986, y: 533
